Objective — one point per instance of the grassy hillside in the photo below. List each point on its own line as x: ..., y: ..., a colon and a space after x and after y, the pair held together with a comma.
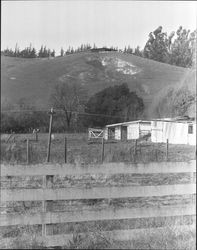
x: 34, y: 78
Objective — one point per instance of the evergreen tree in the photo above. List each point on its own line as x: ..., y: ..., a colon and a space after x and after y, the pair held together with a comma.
x: 48, y: 52
x: 40, y: 53
x: 16, y: 51
x: 62, y: 52
x: 33, y: 53
x: 182, y: 50
x: 53, y: 53
x: 45, y: 52
x: 115, y: 101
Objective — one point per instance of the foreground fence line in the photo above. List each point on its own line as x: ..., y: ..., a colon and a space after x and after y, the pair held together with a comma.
x: 106, y: 168
x: 95, y: 215
x: 45, y: 194
x: 96, y: 192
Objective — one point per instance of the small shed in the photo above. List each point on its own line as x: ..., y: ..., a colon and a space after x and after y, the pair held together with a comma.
x: 176, y: 131
x: 127, y: 130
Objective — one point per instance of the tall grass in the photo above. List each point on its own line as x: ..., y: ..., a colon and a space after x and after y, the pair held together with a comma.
x: 26, y: 239
x: 79, y: 151
x: 170, y: 238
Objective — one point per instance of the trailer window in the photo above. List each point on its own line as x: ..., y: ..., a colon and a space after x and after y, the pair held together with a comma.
x: 190, y: 129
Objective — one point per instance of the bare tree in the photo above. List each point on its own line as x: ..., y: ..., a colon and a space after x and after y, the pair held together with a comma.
x: 70, y: 97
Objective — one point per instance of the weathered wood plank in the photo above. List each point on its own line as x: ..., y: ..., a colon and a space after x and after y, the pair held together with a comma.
x: 95, y: 215
x: 96, y: 192
x: 121, y: 235
x: 106, y: 168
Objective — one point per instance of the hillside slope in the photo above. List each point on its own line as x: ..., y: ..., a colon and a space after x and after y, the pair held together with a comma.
x: 34, y: 79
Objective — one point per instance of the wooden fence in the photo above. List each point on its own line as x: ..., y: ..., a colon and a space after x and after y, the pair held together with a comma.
x: 47, y: 193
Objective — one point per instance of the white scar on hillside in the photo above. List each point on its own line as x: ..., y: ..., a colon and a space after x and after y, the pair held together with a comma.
x: 120, y: 65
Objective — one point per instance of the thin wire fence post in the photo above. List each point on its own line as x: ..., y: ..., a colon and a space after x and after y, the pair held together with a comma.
x: 156, y: 155
x: 27, y: 151
x: 50, y: 128
x: 36, y: 136
x: 103, y: 150
x: 44, y: 206
x: 65, y: 150
x: 135, y: 151
x: 167, y: 148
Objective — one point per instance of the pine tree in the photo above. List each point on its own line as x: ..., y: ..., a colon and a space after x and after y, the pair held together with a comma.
x: 16, y: 50
x: 40, y: 53
x: 45, y: 52
x: 33, y: 53
x: 48, y: 52
x: 62, y: 52
x: 53, y: 53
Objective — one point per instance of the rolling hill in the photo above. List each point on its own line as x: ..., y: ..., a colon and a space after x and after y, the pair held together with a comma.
x: 34, y: 79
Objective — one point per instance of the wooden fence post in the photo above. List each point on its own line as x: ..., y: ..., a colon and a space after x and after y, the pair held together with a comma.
x: 103, y: 149
x: 36, y: 136
x: 135, y: 150
x: 167, y: 146
x: 65, y: 150
x: 27, y: 151
x: 50, y: 128
x: 156, y: 155
x: 140, y: 149
x: 44, y: 206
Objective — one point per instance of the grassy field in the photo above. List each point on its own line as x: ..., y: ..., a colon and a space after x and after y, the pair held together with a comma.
x: 35, y: 78
x: 81, y: 151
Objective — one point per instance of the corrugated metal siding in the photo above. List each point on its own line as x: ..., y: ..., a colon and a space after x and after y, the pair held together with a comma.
x: 133, y: 131
x: 175, y: 132
x: 157, y: 131
x: 118, y: 133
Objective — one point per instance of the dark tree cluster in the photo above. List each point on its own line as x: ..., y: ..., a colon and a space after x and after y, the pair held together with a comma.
x: 118, y: 104
x: 22, y: 117
x: 29, y: 52
x: 178, y: 48
x: 44, y: 52
x: 74, y: 112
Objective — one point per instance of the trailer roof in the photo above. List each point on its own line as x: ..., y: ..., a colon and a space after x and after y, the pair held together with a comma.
x: 177, y: 120
x: 126, y: 123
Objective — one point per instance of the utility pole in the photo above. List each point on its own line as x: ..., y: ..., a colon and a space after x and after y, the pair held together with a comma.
x: 65, y: 150
x: 103, y: 150
x: 167, y: 147
x: 51, y: 113
x: 27, y: 151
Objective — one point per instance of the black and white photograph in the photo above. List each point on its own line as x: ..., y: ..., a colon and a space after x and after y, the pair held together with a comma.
x: 98, y: 124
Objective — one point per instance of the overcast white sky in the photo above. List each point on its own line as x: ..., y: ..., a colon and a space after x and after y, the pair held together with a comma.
x: 59, y: 24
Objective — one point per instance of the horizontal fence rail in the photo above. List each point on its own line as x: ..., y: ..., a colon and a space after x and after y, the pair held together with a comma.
x: 96, y: 192
x: 107, y: 168
x: 88, y: 215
